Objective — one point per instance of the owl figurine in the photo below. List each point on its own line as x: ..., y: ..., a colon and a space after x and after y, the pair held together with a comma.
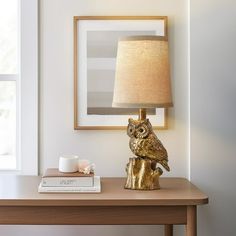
x: 145, y: 144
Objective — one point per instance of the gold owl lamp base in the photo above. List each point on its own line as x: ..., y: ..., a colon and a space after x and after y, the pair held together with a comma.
x: 142, y: 80
x: 142, y: 170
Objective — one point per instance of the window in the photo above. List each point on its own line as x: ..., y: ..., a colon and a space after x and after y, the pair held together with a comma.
x: 9, y: 77
x: 8, y: 158
x: 18, y: 86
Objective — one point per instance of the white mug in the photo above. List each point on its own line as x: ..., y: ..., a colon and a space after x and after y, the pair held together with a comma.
x: 68, y: 163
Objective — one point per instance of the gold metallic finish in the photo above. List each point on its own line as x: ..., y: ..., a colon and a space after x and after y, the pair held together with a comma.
x: 142, y: 170
x: 142, y: 174
x: 144, y: 142
x: 142, y: 113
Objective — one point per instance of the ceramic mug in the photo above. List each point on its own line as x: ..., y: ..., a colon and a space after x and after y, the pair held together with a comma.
x: 68, y: 163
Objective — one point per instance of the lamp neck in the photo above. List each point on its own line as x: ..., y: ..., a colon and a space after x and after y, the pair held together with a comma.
x: 142, y: 113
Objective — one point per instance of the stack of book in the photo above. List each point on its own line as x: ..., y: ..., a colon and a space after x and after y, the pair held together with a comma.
x: 54, y: 181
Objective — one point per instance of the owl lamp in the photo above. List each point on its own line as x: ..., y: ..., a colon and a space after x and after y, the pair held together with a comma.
x: 142, y: 81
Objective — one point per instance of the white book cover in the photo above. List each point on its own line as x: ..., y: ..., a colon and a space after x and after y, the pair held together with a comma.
x: 94, y: 189
x: 67, y: 181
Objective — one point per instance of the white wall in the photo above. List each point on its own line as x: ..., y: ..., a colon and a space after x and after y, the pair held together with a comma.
x: 213, y: 112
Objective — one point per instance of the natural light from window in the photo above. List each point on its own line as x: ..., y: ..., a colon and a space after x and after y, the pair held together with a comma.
x: 8, y: 82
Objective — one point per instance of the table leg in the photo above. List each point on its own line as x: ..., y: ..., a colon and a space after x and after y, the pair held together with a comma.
x: 191, y: 227
x: 168, y: 230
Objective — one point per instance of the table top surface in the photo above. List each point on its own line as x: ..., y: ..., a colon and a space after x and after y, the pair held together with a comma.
x: 23, y: 191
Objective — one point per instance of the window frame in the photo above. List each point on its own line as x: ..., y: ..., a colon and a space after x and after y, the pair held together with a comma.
x: 27, y: 90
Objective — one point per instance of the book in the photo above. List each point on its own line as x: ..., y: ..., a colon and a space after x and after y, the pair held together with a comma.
x: 54, y: 178
x: 96, y: 188
x: 54, y: 172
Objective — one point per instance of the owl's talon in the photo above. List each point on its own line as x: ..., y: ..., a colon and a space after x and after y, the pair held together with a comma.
x: 159, y: 170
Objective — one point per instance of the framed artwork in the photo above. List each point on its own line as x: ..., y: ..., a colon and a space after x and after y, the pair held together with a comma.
x: 95, y: 47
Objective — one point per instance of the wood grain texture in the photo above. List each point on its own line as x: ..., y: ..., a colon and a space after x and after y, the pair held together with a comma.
x: 175, y: 203
x: 191, y: 227
x: 23, y: 191
x: 93, y: 215
x: 75, y: 73
x: 168, y: 230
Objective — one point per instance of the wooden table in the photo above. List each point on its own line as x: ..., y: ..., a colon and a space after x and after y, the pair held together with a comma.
x: 175, y: 203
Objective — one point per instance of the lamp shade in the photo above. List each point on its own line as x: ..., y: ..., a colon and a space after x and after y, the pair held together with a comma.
x: 142, y: 78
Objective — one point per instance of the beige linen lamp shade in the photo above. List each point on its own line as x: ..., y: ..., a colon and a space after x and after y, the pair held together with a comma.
x: 142, y: 77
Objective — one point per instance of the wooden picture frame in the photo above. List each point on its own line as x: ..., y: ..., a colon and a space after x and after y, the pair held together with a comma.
x: 90, y: 31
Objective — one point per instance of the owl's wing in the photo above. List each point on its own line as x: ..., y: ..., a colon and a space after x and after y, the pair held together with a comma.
x: 156, y: 151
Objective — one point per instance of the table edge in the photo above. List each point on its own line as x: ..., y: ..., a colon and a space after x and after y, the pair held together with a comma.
x: 113, y: 202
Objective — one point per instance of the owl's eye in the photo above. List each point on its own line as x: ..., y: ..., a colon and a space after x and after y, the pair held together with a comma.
x: 131, y: 130
x: 141, y: 130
